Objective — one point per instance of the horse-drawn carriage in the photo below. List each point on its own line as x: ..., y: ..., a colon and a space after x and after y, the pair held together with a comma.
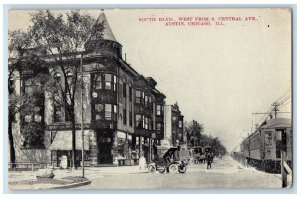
x: 167, y: 160
x: 200, y: 154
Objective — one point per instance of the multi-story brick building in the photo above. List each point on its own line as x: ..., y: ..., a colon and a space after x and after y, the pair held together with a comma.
x: 123, y: 112
x: 173, y: 128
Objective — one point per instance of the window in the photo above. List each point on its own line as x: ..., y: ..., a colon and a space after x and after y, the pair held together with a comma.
x: 130, y: 114
x: 174, y: 118
x: 180, y: 124
x: 108, y: 83
x: 28, y: 86
x: 57, y: 77
x: 124, y: 116
x: 268, y: 138
x: 138, y: 121
x: 98, y: 82
x: 108, y: 111
x: 115, y: 83
x: 67, y: 113
x: 69, y: 80
x: 158, y: 126
x: 124, y: 90
x: 99, y: 111
x: 147, y: 101
x: 146, y: 123
x: 130, y: 93
x: 115, y: 112
x: 57, y: 113
x: 11, y: 86
x: 37, y: 114
x: 139, y: 97
x: 158, y: 109
x: 150, y: 124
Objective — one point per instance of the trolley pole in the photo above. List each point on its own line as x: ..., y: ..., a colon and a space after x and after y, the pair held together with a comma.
x: 82, y: 132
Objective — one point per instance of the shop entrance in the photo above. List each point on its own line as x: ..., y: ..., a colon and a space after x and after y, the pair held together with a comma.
x: 104, y: 141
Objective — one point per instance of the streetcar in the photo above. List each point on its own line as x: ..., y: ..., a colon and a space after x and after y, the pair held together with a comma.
x: 263, y: 148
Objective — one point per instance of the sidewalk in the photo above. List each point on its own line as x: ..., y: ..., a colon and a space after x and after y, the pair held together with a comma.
x: 27, y: 179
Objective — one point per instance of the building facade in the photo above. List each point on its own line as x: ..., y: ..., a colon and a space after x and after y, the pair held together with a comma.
x: 173, y: 125
x: 123, y: 112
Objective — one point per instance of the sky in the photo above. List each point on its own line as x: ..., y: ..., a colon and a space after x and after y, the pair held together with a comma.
x: 218, y: 74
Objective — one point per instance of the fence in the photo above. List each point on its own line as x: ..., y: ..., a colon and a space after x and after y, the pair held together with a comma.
x: 27, y: 166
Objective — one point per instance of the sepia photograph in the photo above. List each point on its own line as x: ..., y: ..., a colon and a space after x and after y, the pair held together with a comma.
x: 150, y: 99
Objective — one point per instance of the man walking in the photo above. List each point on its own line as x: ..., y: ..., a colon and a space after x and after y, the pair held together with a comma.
x: 209, y: 160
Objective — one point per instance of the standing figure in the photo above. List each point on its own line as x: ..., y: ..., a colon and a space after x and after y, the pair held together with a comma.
x: 209, y: 160
x: 142, y: 162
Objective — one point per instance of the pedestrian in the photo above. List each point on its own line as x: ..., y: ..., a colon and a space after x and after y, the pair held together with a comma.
x: 178, y: 149
x: 142, y: 162
x: 209, y: 160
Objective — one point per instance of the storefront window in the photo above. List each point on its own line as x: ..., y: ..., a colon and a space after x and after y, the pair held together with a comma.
x: 121, y: 144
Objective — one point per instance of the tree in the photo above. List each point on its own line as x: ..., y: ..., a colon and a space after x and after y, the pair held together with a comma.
x: 194, y: 133
x: 64, y: 40
x: 22, y: 59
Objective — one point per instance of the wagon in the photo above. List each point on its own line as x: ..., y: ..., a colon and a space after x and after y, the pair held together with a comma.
x: 167, y: 160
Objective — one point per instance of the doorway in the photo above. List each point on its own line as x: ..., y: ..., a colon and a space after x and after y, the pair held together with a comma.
x: 104, y: 141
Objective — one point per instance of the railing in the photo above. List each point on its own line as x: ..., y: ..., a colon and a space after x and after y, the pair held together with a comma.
x: 27, y: 166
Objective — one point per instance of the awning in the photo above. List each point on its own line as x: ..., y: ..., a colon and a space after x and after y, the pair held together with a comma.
x: 63, y: 141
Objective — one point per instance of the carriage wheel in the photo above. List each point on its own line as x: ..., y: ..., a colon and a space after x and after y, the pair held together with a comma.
x: 182, y: 168
x: 151, y: 168
x: 173, y: 168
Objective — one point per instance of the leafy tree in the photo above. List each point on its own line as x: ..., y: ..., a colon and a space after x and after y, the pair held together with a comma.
x: 197, y: 137
x: 194, y: 133
x: 65, y: 39
x: 22, y: 59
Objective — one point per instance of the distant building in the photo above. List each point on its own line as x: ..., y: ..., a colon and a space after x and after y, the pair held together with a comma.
x: 173, y: 128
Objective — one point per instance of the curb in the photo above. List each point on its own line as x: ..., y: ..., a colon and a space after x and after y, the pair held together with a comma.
x: 73, y: 185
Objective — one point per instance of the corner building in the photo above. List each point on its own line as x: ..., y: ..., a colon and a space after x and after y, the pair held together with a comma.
x: 123, y: 111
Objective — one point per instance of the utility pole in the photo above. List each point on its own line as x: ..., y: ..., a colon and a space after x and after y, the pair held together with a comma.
x: 82, y: 132
x: 275, y: 108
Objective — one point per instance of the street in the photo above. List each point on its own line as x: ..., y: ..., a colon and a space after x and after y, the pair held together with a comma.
x: 225, y: 173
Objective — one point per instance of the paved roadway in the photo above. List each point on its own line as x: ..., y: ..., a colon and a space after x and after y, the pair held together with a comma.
x: 225, y: 173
